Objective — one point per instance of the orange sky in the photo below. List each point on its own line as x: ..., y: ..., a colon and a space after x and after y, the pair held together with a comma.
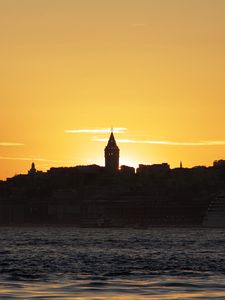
x: 154, y: 67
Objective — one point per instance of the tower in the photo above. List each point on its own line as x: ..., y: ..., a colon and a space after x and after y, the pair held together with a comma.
x: 112, y: 155
x: 32, y: 170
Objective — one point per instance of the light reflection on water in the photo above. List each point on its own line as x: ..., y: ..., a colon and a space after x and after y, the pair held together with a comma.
x: 122, y: 289
x: 70, y: 263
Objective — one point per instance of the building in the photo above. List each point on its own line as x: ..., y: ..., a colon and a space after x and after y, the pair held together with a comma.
x: 112, y: 155
x: 219, y: 163
x: 127, y: 170
x: 32, y: 170
x: 155, y: 169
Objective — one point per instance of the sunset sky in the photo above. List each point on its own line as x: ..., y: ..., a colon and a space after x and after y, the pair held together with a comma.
x: 72, y: 69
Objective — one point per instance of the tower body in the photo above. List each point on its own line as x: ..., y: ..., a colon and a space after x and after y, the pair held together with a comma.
x: 112, y: 153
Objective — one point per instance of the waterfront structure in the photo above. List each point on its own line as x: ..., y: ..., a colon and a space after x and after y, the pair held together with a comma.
x: 215, y: 216
x: 112, y: 152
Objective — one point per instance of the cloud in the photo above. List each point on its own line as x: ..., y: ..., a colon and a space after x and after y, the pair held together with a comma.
x: 30, y: 159
x: 97, y: 130
x: 21, y: 158
x: 6, y: 144
x: 167, y: 143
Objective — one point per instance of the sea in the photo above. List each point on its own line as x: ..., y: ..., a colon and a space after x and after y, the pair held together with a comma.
x: 83, y: 263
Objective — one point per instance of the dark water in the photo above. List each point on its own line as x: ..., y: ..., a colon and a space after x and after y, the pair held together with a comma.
x: 71, y: 263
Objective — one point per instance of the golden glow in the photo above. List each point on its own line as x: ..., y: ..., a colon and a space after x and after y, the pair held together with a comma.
x: 148, y: 290
x: 154, y: 67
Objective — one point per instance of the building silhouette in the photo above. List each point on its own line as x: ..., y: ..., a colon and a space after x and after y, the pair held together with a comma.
x: 112, y: 155
x: 32, y: 170
x: 95, y: 196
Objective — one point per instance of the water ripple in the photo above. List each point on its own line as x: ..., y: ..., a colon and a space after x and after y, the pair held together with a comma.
x: 71, y: 263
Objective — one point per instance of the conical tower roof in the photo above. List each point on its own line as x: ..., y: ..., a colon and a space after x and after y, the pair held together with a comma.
x: 111, y: 141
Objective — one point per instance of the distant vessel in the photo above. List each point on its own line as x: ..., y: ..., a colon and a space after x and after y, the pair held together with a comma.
x: 215, y: 216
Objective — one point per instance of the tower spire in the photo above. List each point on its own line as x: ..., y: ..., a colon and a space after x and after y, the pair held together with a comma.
x: 112, y: 154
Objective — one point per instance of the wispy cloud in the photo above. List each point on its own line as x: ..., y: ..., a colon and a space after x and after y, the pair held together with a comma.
x: 22, y: 158
x: 169, y: 143
x: 96, y: 130
x: 6, y: 144
x: 30, y: 159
